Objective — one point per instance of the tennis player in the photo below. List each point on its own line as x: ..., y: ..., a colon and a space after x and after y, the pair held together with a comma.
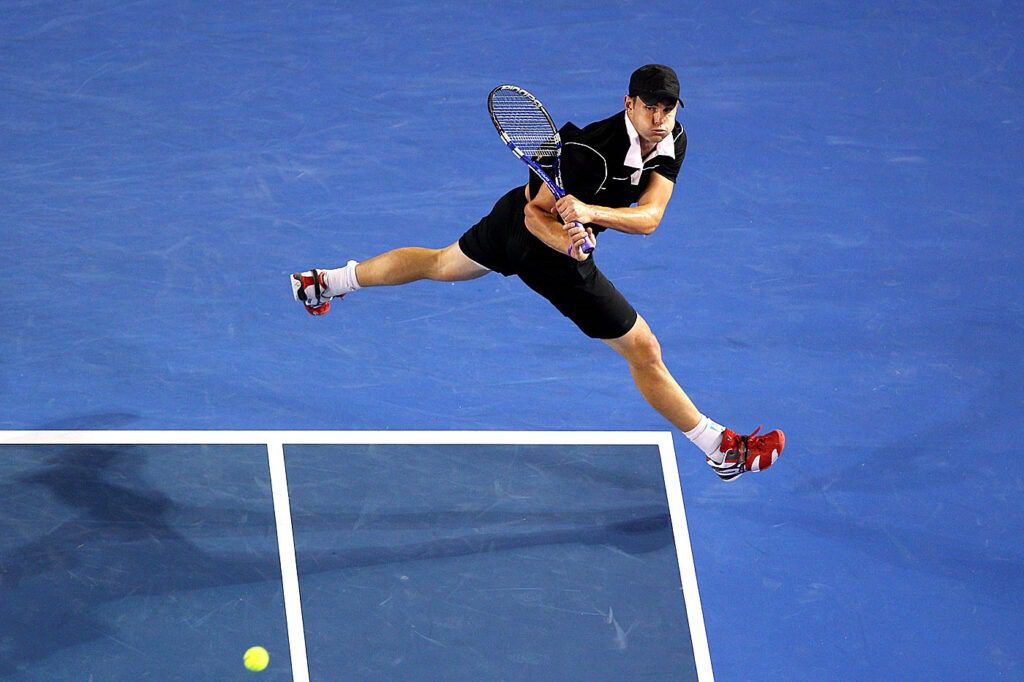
x: 619, y: 174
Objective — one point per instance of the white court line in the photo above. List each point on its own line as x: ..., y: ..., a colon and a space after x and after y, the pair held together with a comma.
x: 684, y: 555
x: 274, y: 440
x: 289, y: 570
x: 331, y: 437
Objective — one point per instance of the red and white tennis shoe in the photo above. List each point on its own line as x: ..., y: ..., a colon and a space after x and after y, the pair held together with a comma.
x: 747, y: 453
x: 310, y: 288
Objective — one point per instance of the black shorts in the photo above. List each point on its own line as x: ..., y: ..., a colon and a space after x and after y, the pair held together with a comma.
x: 501, y: 242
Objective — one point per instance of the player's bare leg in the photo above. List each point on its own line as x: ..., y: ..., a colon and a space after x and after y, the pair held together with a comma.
x: 315, y: 288
x: 413, y: 263
x: 728, y: 453
x: 642, y: 351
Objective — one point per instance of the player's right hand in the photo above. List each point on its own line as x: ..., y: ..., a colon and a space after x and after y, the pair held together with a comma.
x: 577, y: 237
x: 571, y: 209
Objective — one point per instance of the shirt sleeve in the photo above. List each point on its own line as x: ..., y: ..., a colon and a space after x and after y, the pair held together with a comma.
x: 670, y: 170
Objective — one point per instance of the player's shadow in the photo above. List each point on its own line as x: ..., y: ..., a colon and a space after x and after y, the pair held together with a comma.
x: 111, y: 537
x: 994, y: 576
x: 91, y: 421
x: 631, y: 531
x: 101, y: 533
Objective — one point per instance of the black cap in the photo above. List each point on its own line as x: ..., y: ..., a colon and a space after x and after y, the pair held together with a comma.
x: 655, y: 83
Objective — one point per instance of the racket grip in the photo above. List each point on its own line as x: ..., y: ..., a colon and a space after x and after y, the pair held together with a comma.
x: 588, y: 245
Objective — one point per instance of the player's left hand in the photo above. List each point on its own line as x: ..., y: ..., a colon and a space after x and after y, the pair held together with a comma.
x: 577, y: 234
x: 571, y: 209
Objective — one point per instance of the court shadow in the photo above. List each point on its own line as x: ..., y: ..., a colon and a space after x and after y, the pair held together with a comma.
x: 91, y: 422
x: 114, y: 537
x: 631, y: 531
x: 993, y: 576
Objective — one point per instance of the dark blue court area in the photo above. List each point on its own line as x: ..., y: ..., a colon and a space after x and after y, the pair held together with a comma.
x: 841, y: 259
x: 415, y: 562
x: 487, y: 563
x: 138, y: 562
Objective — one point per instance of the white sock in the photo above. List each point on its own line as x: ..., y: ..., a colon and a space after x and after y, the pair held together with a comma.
x: 341, y: 281
x: 707, y: 435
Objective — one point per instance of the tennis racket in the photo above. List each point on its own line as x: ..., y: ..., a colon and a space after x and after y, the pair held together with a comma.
x: 526, y: 127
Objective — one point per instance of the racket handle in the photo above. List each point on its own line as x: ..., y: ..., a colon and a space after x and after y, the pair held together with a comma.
x: 588, y: 245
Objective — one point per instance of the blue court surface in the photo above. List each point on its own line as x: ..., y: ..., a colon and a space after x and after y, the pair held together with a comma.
x: 840, y: 259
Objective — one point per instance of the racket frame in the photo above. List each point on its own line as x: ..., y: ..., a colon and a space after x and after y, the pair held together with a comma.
x: 555, y: 185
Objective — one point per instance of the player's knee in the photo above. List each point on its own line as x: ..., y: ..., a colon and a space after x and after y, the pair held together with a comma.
x: 451, y: 265
x: 435, y: 264
x: 437, y: 269
x: 645, y: 350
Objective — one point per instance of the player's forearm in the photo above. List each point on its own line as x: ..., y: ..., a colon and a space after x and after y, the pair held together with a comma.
x: 546, y: 228
x: 632, y: 220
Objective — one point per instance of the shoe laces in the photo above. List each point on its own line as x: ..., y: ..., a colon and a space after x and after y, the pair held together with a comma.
x: 745, y: 440
x: 742, y: 443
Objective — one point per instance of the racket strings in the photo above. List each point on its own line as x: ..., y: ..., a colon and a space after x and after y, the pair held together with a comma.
x: 526, y: 125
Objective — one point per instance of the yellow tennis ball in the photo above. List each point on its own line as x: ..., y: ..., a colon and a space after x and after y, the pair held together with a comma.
x: 256, y: 658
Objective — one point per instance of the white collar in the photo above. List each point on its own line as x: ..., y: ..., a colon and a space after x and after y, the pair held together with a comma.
x: 667, y: 147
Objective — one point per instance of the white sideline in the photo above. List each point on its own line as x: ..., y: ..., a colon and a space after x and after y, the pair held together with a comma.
x: 289, y: 569
x: 332, y: 437
x: 684, y: 555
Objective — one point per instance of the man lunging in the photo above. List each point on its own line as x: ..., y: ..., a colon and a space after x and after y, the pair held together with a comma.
x: 619, y: 174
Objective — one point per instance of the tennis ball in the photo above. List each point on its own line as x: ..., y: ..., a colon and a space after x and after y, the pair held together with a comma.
x: 256, y: 658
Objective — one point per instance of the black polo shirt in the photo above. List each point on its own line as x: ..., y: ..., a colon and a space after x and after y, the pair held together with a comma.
x: 601, y: 163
